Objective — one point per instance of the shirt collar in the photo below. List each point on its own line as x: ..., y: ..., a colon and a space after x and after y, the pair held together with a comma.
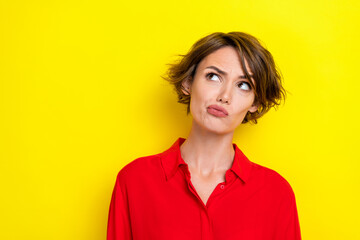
x: 171, y: 160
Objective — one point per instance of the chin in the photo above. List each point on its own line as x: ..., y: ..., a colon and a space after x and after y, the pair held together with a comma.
x: 219, y: 130
x: 212, y: 125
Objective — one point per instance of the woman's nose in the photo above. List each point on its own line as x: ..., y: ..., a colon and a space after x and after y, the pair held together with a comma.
x: 225, y: 95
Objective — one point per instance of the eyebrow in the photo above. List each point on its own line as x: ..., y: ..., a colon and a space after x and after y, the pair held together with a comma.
x: 224, y: 73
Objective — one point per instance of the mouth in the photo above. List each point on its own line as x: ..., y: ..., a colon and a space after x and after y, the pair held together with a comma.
x: 217, y: 111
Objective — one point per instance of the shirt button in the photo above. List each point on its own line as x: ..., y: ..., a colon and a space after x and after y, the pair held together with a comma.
x: 222, y: 186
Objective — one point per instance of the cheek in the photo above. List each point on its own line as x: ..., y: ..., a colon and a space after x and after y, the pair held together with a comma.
x: 198, y: 103
x: 243, y: 105
x: 196, y: 106
x: 199, y: 98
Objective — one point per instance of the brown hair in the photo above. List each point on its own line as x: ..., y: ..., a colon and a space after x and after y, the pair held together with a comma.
x: 268, y: 89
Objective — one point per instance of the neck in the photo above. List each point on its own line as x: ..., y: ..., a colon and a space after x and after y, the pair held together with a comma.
x: 206, y: 152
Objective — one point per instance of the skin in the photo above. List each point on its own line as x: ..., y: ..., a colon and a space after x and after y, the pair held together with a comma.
x: 208, y: 150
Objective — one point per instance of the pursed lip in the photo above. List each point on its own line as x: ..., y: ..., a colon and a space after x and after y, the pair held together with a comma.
x: 219, y: 108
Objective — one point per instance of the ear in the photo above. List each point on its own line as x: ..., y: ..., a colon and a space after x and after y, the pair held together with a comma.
x: 253, y: 107
x: 186, y: 86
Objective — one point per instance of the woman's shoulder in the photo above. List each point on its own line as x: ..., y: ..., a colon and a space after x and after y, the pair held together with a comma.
x: 271, y: 179
x: 151, y: 166
x: 141, y: 164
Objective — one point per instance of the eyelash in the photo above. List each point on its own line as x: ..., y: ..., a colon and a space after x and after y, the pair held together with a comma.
x: 249, y: 86
x: 209, y: 75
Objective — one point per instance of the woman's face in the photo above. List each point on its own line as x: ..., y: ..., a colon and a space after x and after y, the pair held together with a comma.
x: 220, y: 93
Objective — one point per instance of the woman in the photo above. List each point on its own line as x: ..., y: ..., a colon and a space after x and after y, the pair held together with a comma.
x: 204, y: 187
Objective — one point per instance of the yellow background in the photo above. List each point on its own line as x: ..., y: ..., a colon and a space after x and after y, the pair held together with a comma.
x: 81, y: 96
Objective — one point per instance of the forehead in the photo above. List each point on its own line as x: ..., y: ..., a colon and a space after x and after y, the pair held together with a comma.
x: 227, y: 58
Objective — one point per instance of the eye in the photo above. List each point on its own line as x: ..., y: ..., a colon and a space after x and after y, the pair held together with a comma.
x: 244, y: 86
x: 212, y: 77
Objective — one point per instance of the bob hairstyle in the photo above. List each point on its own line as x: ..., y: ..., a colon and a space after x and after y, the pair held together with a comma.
x: 268, y: 88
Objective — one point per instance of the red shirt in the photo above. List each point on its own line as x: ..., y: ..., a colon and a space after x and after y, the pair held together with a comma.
x: 153, y: 198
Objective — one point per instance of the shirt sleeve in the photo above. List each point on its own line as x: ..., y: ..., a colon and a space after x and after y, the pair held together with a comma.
x: 119, y: 219
x: 288, y: 227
